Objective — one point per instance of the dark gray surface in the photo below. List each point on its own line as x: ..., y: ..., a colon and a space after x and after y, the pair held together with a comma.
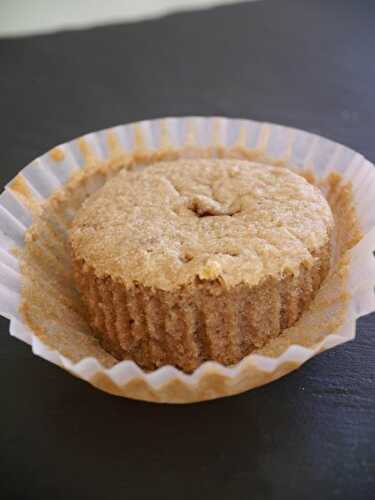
x: 309, y: 64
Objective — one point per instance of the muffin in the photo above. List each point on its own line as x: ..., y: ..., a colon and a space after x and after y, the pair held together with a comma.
x: 192, y: 260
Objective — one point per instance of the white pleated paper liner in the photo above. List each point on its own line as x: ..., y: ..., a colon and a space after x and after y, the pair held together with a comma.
x: 168, y: 384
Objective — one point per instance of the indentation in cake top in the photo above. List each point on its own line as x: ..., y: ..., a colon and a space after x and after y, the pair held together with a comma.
x: 170, y: 222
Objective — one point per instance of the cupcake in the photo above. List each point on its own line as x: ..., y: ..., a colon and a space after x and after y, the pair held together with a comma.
x: 186, y: 261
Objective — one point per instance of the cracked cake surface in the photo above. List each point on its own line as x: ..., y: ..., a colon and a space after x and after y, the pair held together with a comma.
x: 188, y: 260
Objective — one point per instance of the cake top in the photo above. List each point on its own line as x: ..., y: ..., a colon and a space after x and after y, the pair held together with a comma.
x: 166, y: 224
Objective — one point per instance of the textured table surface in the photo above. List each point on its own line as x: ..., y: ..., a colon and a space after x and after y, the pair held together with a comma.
x: 308, y: 64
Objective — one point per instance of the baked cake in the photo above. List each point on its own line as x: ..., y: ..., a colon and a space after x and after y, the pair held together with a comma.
x: 192, y: 260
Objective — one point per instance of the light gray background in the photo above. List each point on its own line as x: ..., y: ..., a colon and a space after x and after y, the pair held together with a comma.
x: 23, y: 17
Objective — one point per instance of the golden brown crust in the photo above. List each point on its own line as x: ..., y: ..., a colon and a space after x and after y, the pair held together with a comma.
x: 217, y: 310
x: 232, y: 220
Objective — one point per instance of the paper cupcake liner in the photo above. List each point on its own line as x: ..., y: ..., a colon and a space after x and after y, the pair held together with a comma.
x: 347, y: 295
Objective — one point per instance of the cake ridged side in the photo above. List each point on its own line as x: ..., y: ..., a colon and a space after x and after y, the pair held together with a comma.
x: 199, y: 322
